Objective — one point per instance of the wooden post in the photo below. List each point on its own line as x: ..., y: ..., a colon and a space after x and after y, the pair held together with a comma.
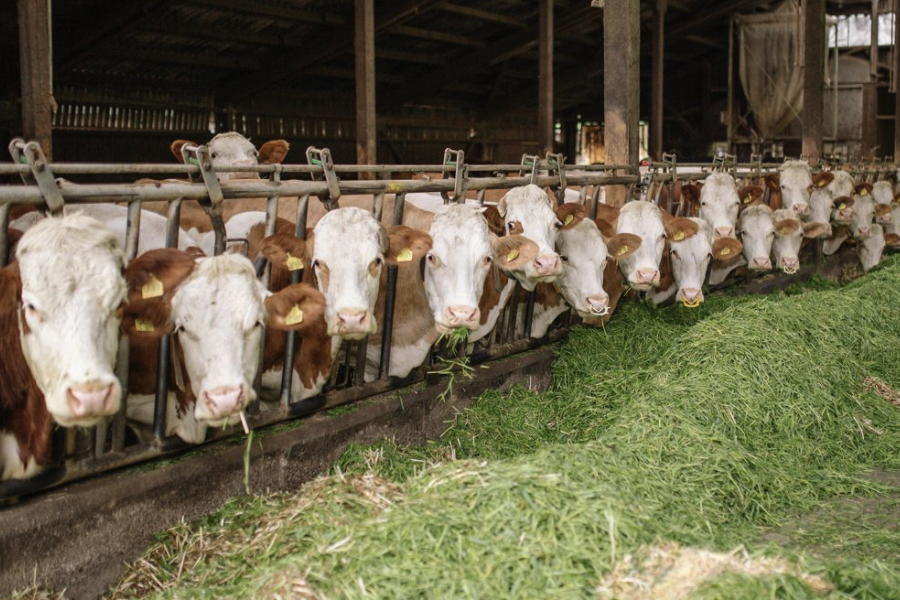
x: 657, y: 60
x: 35, y: 63
x: 896, y: 59
x: 545, y: 76
x: 813, y: 68
x: 366, y: 140
x: 621, y: 85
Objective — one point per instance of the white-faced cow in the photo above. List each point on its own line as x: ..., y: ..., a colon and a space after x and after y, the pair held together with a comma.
x: 231, y: 149
x: 790, y: 187
x: 871, y: 248
x: 719, y: 204
x: 646, y: 221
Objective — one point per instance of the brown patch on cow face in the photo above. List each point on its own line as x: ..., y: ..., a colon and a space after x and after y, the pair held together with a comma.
x: 570, y: 215
x: 148, y: 319
x: 678, y: 229
x: 298, y: 307
x: 545, y: 294
x: 750, y: 195
x: 822, y: 179
x: 614, y: 286
x: 773, y: 182
x: 883, y: 209
x: 892, y: 240
x: 176, y: 146
x: 606, y: 228
x: 690, y: 193
x: 167, y: 266
x: 273, y: 152
x: 622, y: 245
x: 490, y: 295
x: 726, y: 251
x: 407, y: 245
x: 841, y: 231
x: 863, y: 189
x: 846, y: 201
x: 514, y: 252
x: 607, y: 213
x: 494, y: 221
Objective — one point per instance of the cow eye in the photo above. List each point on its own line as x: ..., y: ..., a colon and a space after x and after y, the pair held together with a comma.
x: 315, y: 264
x: 511, y: 224
x: 214, y: 155
x: 431, y: 258
x: 488, y: 260
x: 255, y: 153
x: 558, y: 224
x: 708, y: 255
x: 378, y: 260
x: 784, y: 187
x: 675, y: 253
x: 703, y: 204
x: 564, y: 258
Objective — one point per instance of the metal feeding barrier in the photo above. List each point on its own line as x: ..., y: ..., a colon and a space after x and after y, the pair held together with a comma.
x: 78, y: 453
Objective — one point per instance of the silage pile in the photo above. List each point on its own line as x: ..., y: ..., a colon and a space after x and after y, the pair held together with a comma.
x: 695, y: 428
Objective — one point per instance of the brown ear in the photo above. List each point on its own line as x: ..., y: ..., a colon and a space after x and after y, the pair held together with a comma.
x: 841, y: 231
x: 494, y: 220
x: 897, y: 197
x: 157, y: 273
x: 273, y: 152
x: 608, y: 213
x: 299, y: 307
x: 773, y: 181
x: 622, y: 245
x: 726, y: 250
x: 814, y: 229
x: 822, y: 179
x: 514, y: 251
x: 787, y: 226
x: 891, y: 239
x: 570, y: 215
x: 751, y: 194
x: 10, y: 288
x: 407, y: 245
x: 842, y: 202
x: 863, y: 189
x: 605, y: 227
x: 883, y: 209
x: 146, y: 319
x: 554, y: 199
x: 680, y: 228
x: 285, y: 250
x: 176, y: 146
x: 691, y: 192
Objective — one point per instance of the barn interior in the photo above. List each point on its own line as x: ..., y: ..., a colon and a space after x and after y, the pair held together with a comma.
x: 127, y: 78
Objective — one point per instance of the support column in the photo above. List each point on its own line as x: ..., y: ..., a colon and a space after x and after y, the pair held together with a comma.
x: 657, y: 60
x: 545, y: 76
x: 366, y: 140
x: 813, y: 68
x: 621, y: 86
x: 36, y: 68
x: 896, y: 59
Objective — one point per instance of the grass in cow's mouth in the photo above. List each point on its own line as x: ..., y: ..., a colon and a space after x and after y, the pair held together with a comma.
x: 704, y: 429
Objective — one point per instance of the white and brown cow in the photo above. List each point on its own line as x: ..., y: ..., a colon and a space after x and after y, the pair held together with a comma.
x: 871, y: 248
x: 646, y: 221
x: 790, y: 187
x: 883, y: 195
x: 59, y: 322
x: 231, y: 149
x: 719, y: 203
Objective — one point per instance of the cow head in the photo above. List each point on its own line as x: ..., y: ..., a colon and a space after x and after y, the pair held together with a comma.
x: 788, y: 238
x: 719, y: 204
x: 871, y: 248
x: 231, y: 149
x: 842, y: 184
x: 842, y: 210
x: 72, y: 288
x: 691, y: 251
x: 863, y: 212
x: 584, y: 255
x: 644, y: 220
x: 757, y: 229
x: 349, y: 248
x: 456, y: 266
x: 528, y: 211
x: 793, y: 181
x: 820, y: 208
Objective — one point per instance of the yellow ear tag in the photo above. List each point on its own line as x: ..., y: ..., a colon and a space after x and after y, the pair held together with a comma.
x: 144, y: 326
x: 622, y: 250
x: 153, y: 288
x: 725, y: 252
x: 823, y: 183
x: 569, y: 219
x: 784, y: 231
x: 512, y: 255
x: 863, y: 192
x: 405, y: 255
x: 679, y: 236
x: 748, y: 199
x: 295, y: 316
x: 294, y: 263
x: 842, y: 206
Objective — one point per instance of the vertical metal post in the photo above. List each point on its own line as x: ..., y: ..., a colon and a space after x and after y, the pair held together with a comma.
x: 730, y: 101
x: 657, y: 69
x: 387, y: 325
x: 4, y: 239
x: 896, y: 61
x: 813, y: 72
x: 36, y: 68
x: 290, y: 339
x: 621, y: 86
x: 545, y: 76
x: 366, y: 141
x: 873, y: 47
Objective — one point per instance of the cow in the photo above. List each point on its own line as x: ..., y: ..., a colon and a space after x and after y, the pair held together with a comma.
x: 757, y: 231
x: 60, y: 309
x: 883, y: 195
x: 790, y: 187
x: 215, y: 310
x: 529, y: 209
x: 646, y: 221
x: 863, y: 211
x: 718, y: 203
x: 231, y: 149
x: 871, y: 247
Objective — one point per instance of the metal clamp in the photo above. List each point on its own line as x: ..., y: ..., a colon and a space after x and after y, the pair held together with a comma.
x: 322, y: 158
x: 454, y: 160
x: 556, y: 162
x: 529, y: 162
x: 31, y: 154
x: 723, y: 162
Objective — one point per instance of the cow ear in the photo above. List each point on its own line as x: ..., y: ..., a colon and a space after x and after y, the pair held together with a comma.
x: 822, y: 179
x: 750, y: 194
x: 814, y: 229
x: 622, y: 245
x: 10, y: 288
x: 407, y: 245
x: 897, y: 197
x: 842, y: 202
x: 147, y: 319
x: 883, y: 209
x: 285, y: 250
x: 157, y: 273
x: 176, y: 146
x: 773, y: 181
x: 891, y: 239
x: 691, y: 192
x: 863, y: 189
x: 726, y: 250
x: 384, y: 243
x: 494, y: 220
x: 608, y: 213
x: 570, y: 215
x: 680, y: 228
x: 513, y: 251
x: 273, y: 152
x: 787, y: 226
x: 299, y: 307
x: 605, y: 227
x: 554, y: 199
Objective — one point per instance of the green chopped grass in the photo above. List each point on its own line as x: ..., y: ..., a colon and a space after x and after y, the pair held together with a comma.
x: 705, y: 428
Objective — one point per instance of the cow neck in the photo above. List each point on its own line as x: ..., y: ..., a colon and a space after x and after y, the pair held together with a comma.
x: 410, y: 298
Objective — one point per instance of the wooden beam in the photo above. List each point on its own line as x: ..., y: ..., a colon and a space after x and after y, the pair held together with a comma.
x: 36, y: 68
x: 813, y: 17
x: 436, y: 36
x: 271, y: 10
x: 483, y: 15
x: 545, y: 76
x: 167, y: 57
x: 706, y: 41
x: 410, y: 57
x: 621, y: 85
x: 657, y: 62
x: 364, y: 45
x: 280, y: 39
x: 896, y: 61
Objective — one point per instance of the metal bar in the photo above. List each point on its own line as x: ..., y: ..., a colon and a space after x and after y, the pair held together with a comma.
x: 4, y: 238
x: 399, y: 203
x: 529, y: 313
x: 387, y: 326
x: 287, y: 372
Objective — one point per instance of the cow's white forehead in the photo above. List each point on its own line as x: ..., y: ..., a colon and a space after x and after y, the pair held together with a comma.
x: 527, y: 200
x: 220, y: 288
x: 583, y: 240
x: 757, y: 210
x: 842, y: 185
x: 231, y: 139
x: 883, y: 192
x: 641, y: 218
x: 795, y: 173
x: 460, y: 226
x: 718, y: 185
x: 343, y: 229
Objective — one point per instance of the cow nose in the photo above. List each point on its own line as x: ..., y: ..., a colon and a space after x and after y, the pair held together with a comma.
x: 547, y: 265
x: 224, y: 400
x: 886, y: 218
x: 92, y: 400
x: 691, y: 295
x: 761, y: 263
x: 789, y: 263
x: 650, y: 276
x: 862, y: 232
x: 461, y: 316
x: 598, y: 304
x: 846, y: 214
x: 801, y: 209
x: 724, y: 232
x: 352, y: 321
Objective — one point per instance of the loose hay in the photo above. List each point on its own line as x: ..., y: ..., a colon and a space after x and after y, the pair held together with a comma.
x: 882, y: 390
x: 670, y: 572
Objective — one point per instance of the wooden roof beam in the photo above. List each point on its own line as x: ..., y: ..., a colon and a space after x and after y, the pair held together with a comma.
x: 436, y: 36
x: 184, y: 59
x: 267, y: 9
x: 483, y: 15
